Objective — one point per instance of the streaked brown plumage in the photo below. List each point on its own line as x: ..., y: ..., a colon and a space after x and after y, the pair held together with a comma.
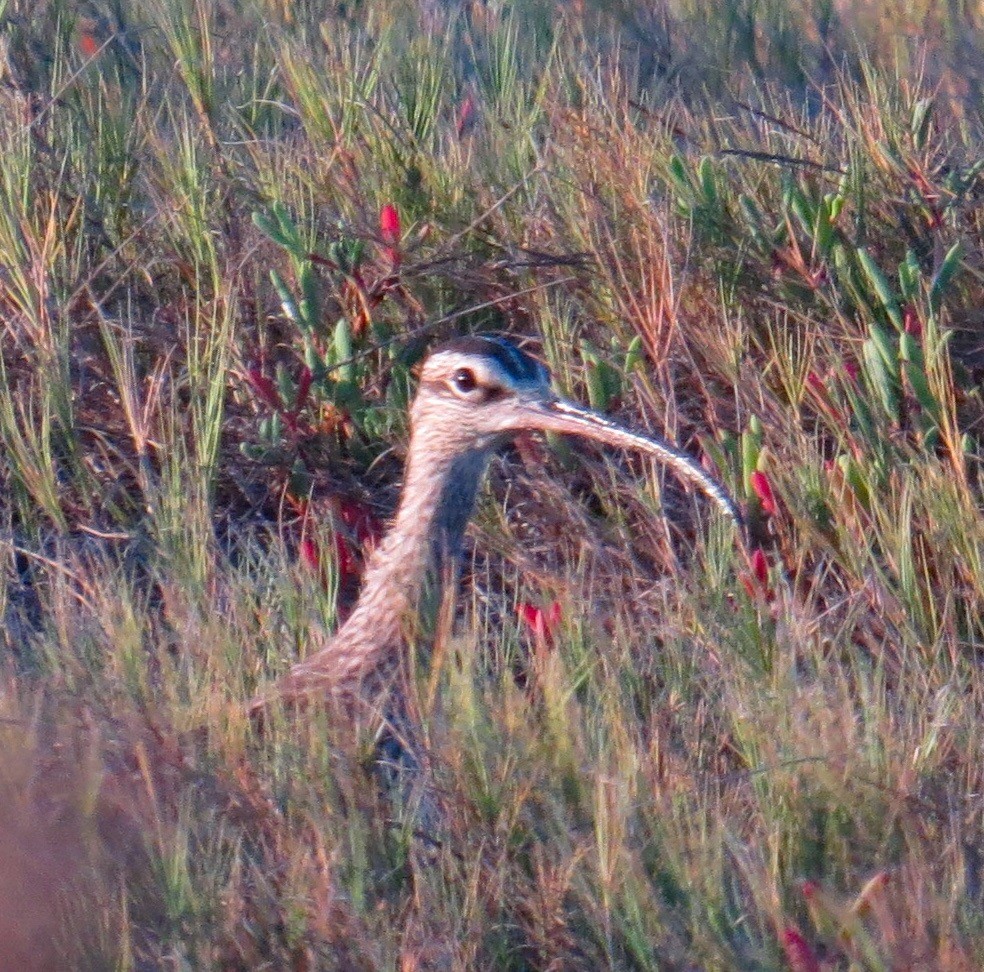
x: 475, y: 393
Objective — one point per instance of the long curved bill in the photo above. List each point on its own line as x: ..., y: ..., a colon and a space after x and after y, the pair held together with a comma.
x: 559, y: 415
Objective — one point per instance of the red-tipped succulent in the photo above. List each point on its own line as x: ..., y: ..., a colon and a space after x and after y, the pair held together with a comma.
x: 390, y: 231
x: 542, y: 622
x: 762, y: 488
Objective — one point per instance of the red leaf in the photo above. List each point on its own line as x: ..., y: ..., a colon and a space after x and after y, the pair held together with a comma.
x: 763, y: 490
x: 799, y: 955
x: 810, y: 889
x: 363, y: 523
x: 389, y: 228
x: 264, y: 387
x: 466, y: 112
x: 348, y: 566
x: 816, y: 383
x: 303, y: 387
x: 911, y: 321
x: 760, y: 567
x: 530, y: 614
x: 543, y: 623
x: 310, y: 555
x: 88, y: 44
x: 389, y: 225
x: 553, y: 616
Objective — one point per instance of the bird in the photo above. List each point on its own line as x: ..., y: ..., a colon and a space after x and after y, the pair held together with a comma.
x: 475, y: 394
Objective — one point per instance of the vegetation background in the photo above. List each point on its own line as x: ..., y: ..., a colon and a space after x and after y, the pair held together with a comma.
x: 228, y: 231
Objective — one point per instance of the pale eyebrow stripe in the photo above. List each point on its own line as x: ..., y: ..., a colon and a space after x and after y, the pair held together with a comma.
x: 488, y: 371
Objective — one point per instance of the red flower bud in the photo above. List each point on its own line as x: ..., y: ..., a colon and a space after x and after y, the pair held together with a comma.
x: 389, y: 228
x: 763, y: 490
x: 799, y: 955
x: 389, y: 225
x: 543, y: 623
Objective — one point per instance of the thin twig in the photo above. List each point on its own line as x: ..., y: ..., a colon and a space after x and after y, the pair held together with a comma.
x: 424, y: 328
x: 781, y: 160
x: 778, y: 122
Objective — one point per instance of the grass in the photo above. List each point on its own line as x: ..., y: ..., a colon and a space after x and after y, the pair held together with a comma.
x: 752, y: 228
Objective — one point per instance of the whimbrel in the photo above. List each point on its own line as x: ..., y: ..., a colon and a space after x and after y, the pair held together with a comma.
x: 475, y: 393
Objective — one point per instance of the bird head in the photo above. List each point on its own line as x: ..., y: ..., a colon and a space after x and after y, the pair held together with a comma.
x: 477, y: 392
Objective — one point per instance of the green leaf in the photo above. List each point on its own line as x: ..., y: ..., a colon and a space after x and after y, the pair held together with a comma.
x: 603, y: 381
x: 946, y: 272
x: 252, y: 451
x: 803, y: 209
x: 309, y: 307
x: 285, y: 384
x: 679, y: 175
x: 596, y: 389
x: 909, y: 276
x: 716, y: 451
x: 287, y: 302
x: 919, y: 384
x: 909, y: 349
x: 343, y: 350
x: 855, y: 478
x: 633, y: 356
x: 886, y: 347
x: 922, y: 113
x: 280, y: 228
x: 751, y: 446
x: 753, y: 217
x: 824, y: 233
x: 300, y: 480
x: 270, y: 228
x: 708, y: 183
x: 312, y: 359
x: 862, y: 413
x: 881, y: 378
x: 881, y: 287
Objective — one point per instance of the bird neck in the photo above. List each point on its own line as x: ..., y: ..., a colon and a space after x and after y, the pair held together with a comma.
x: 438, y: 497
x: 418, y: 556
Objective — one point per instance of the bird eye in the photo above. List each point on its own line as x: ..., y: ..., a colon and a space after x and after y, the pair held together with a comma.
x: 464, y: 380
